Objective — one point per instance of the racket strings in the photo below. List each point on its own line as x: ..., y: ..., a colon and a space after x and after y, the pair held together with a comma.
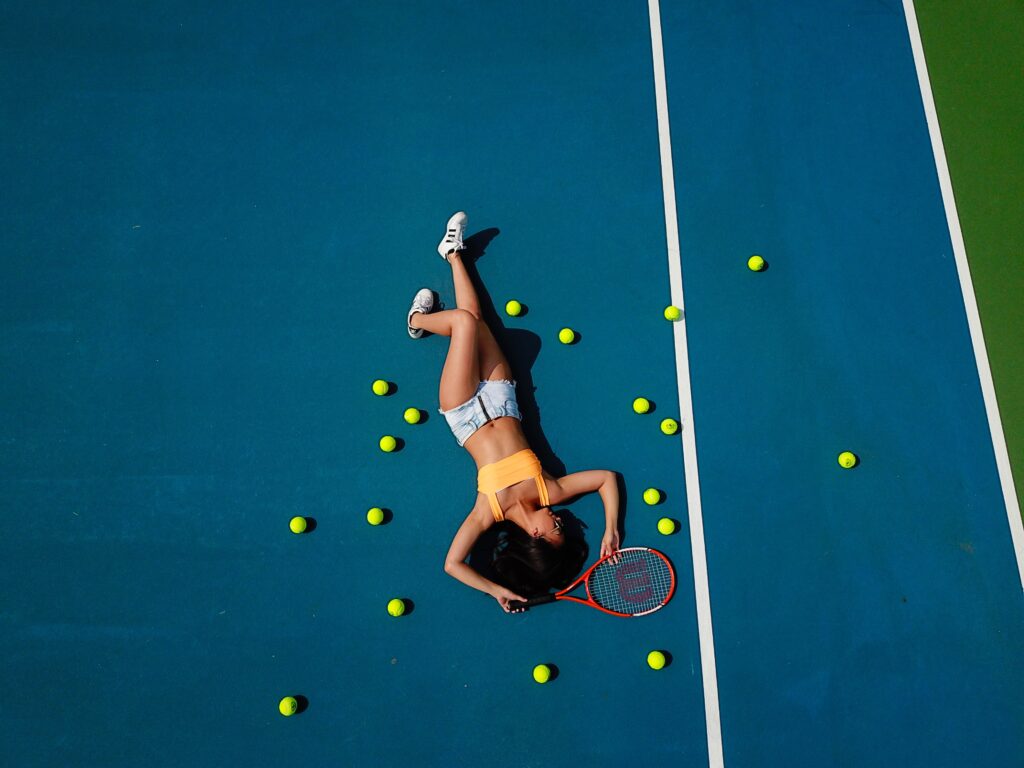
x: 636, y: 581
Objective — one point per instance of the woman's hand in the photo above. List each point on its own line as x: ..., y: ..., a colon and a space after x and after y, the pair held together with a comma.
x: 503, y: 596
x: 610, y: 542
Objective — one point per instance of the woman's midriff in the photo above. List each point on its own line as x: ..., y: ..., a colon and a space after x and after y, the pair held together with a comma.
x: 495, y: 440
x: 502, y: 438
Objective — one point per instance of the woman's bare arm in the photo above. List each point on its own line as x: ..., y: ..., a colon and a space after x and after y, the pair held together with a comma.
x: 609, y: 491
x: 606, y: 483
x: 478, y: 521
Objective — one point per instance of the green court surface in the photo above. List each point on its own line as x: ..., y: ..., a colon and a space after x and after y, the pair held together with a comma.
x: 976, y: 61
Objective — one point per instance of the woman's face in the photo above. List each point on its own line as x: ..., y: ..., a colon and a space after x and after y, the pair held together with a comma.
x: 545, y: 524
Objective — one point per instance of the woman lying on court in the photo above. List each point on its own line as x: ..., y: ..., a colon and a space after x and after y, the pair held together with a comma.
x: 478, y: 399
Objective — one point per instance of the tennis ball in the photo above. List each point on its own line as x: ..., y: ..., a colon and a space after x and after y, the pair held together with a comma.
x: 666, y: 526
x: 756, y: 263
x: 388, y: 443
x: 396, y: 607
x: 375, y: 516
x: 514, y: 308
x: 381, y: 387
x: 567, y: 335
x: 847, y: 460
x: 288, y: 706
x: 669, y: 426
x: 672, y: 313
x: 542, y: 673
x: 641, y: 405
x: 656, y: 660
x: 297, y: 524
x: 412, y: 415
x: 652, y: 496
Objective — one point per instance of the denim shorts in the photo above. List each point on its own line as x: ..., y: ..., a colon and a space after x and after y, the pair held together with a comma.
x: 492, y: 400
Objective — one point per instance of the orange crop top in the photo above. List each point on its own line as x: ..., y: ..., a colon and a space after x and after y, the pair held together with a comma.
x: 509, y: 471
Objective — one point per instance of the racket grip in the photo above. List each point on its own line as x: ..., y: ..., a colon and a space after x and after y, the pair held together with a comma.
x: 518, y: 604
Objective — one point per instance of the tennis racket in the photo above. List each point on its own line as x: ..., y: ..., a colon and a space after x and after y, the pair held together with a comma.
x: 634, y: 581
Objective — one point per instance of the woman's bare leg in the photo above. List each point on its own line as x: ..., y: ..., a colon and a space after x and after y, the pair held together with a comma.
x: 441, y: 323
x: 461, y: 373
x: 492, y: 361
x: 465, y: 291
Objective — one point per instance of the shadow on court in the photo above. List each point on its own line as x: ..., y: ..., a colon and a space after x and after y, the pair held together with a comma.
x: 521, y: 347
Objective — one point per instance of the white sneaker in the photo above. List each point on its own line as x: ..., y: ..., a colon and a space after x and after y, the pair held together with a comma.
x: 453, y: 236
x: 423, y: 302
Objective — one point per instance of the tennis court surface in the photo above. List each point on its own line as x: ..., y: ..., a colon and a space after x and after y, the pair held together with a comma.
x: 215, y: 219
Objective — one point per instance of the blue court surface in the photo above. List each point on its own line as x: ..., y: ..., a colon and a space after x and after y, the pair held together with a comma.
x: 215, y: 218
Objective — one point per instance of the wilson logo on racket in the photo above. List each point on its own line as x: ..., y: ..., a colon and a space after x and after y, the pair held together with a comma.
x: 634, y: 582
x: 631, y: 582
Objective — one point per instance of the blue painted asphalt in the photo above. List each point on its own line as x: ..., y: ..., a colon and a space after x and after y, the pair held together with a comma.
x: 868, y: 616
x: 221, y: 216
x: 223, y: 213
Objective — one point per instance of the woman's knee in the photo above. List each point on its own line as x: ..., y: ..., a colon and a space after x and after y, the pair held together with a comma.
x: 464, y: 321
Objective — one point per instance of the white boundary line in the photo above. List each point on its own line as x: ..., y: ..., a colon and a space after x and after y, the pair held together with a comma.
x: 699, y: 554
x: 988, y: 390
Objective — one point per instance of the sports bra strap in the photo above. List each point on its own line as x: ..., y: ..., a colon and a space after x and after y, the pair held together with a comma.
x: 542, y: 490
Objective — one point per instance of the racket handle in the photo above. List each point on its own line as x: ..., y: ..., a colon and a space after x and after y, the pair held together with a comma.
x: 518, y: 604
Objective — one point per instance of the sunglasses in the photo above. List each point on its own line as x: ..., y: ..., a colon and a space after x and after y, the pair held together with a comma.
x: 559, y: 526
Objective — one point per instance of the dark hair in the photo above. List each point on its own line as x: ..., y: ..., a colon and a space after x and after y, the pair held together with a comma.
x: 533, y: 566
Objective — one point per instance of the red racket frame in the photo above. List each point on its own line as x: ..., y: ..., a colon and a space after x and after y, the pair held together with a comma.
x: 564, y: 593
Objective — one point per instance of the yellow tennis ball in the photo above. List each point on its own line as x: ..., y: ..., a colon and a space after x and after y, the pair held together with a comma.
x: 514, y: 308
x: 567, y: 335
x: 672, y: 313
x: 288, y: 706
x: 666, y: 526
x: 656, y: 660
x: 297, y: 524
x: 375, y: 516
x: 396, y: 607
x: 380, y: 387
x: 412, y: 415
x: 847, y: 460
x: 756, y: 263
x: 542, y: 673
x: 388, y: 443
x: 641, y: 405
x: 652, y: 496
x: 669, y: 426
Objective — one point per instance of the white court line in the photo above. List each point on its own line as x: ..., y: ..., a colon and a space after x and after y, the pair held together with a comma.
x: 988, y: 389
x: 700, y: 563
